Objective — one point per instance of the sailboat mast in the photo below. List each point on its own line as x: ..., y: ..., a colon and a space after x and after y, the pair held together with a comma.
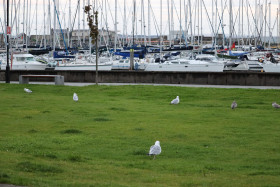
x: 79, y: 23
x: 269, y: 25
x: 50, y: 22
x: 265, y: 22
x: 160, y: 27
x: 172, y: 21
x: 186, y: 21
x: 84, y: 26
x: 29, y: 22
x: 144, y: 24
x: 44, y: 24
x: 7, y: 73
x: 124, y: 22
x: 36, y: 21
x: 256, y: 26
x: 169, y: 23
x: 242, y: 22
x: 230, y: 23
x: 201, y: 22
x: 27, y: 11
x: 116, y: 22
x: 198, y: 9
x: 149, y: 21
x: 69, y: 23
x: 180, y: 23
x: 54, y: 26
x: 23, y: 16
x: 190, y: 11
x: 239, y: 23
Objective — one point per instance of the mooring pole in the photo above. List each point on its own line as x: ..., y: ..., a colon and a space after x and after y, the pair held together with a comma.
x: 8, y: 46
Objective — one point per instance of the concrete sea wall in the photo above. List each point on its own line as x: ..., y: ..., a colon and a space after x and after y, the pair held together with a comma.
x: 206, y: 78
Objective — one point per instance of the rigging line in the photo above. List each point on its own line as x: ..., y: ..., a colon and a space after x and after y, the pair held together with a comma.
x: 3, y: 32
x: 16, y: 9
x: 60, y: 28
x: 259, y: 34
x: 270, y: 33
x: 183, y: 34
x: 74, y: 18
x: 208, y: 18
x: 30, y: 25
x: 102, y: 30
x: 221, y: 24
x: 234, y: 23
x: 155, y: 21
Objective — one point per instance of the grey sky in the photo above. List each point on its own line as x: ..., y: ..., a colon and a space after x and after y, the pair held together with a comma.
x: 106, y: 10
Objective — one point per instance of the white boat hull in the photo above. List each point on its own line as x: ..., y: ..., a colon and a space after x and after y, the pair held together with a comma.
x: 274, y: 68
x: 185, y: 67
x: 83, y: 67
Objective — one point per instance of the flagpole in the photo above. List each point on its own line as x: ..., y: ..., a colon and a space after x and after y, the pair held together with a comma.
x: 8, y: 46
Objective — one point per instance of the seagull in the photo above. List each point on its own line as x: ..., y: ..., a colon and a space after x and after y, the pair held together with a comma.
x: 233, y: 105
x: 155, y: 149
x: 175, y: 101
x: 27, y: 90
x: 275, y: 105
x: 75, y: 97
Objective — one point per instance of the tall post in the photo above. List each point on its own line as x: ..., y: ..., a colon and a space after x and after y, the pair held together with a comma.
x: 8, y: 46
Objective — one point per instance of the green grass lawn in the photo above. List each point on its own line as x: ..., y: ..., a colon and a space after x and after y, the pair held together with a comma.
x: 47, y: 139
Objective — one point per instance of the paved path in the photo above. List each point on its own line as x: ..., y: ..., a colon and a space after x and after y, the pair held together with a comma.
x: 179, y: 85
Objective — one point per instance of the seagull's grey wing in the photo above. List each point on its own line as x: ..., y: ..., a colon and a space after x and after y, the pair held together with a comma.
x: 155, y: 150
x: 174, y: 101
x: 275, y: 105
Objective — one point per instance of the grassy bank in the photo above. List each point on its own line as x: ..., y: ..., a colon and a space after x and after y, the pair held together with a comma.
x: 47, y: 139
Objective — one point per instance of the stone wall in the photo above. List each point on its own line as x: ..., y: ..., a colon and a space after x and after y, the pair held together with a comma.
x: 207, y: 78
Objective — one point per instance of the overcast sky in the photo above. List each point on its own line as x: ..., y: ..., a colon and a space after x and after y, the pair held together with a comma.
x: 106, y: 10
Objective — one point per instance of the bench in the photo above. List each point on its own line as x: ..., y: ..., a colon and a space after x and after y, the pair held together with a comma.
x: 58, y: 79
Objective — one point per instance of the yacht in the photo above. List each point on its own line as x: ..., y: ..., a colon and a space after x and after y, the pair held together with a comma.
x: 185, y: 65
x: 23, y: 62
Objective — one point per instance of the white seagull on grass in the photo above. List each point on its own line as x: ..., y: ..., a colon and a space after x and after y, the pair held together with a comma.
x: 175, y: 101
x: 233, y: 105
x: 275, y: 105
x: 75, y: 97
x: 27, y: 90
x: 155, y: 149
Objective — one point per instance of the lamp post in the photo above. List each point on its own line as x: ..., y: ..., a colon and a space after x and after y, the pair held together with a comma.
x: 8, y: 46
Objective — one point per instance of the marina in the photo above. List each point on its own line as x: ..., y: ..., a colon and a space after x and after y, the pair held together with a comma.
x: 243, y: 36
